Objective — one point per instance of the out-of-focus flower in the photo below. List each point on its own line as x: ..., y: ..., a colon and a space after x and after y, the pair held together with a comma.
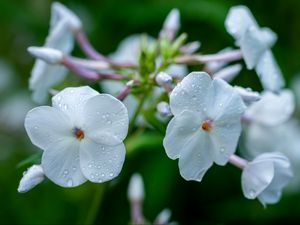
x: 136, y: 188
x: 164, y: 110
x: 206, y: 124
x: 266, y: 176
x: 49, y: 55
x: 247, y: 94
x: 81, y: 134
x: 255, y: 44
x: 63, y: 24
x: 272, y: 109
x: 32, y: 177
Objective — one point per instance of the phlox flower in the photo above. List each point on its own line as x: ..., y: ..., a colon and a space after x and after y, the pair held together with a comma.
x: 81, y: 134
x: 206, y: 124
x: 255, y: 44
x: 266, y: 176
x: 63, y: 24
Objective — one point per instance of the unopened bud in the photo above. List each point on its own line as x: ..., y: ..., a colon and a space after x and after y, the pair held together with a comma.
x: 190, y: 47
x: 228, y: 73
x: 171, y: 24
x: 49, y: 55
x: 64, y: 13
x: 163, y: 217
x: 163, y: 79
x: 247, y: 94
x: 136, y: 188
x: 32, y: 177
x: 163, y: 108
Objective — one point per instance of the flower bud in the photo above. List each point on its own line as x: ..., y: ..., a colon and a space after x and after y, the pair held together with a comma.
x: 228, y: 73
x: 163, y: 108
x: 163, y: 217
x: 32, y: 177
x: 136, y: 188
x: 49, y: 55
x: 171, y: 24
x: 190, y: 47
x: 247, y: 94
x: 163, y: 79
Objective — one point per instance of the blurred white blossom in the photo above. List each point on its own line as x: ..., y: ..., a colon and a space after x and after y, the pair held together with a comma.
x: 32, y: 177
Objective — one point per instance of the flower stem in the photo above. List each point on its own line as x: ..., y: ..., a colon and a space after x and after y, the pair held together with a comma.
x: 238, y: 161
x: 97, y: 199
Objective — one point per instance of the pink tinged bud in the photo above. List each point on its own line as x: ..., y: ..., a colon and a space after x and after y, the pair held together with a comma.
x: 171, y: 24
x: 49, y: 55
x: 32, y: 177
x: 163, y: 108
x: 190, y: 48
x: 163, y: 79
x: 247, y: 94
x: 228, y: 73
x: 163, y: 217
x: 136, y: 188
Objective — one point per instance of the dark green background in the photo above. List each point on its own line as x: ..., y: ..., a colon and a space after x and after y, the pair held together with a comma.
x: 218, y: 198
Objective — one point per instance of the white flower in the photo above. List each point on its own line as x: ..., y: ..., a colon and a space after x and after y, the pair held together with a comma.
x: 32, y: 177
x: 60, y: 37
x: 265, y: 177
x: 136, y: 192
x: 49, y: 55
x: 272, y: 109
x: 206, y: 124
x: 255, y: 44
x: 81, y: 134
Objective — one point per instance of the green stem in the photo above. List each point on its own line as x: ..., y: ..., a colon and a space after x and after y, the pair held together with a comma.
x: 92, y: 213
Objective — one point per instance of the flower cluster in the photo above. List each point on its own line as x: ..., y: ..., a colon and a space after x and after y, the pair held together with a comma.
x: 148, y: 85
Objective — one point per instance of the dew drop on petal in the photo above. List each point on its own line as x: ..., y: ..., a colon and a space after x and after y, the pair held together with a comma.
x: 70, y: 183
x: 111, y: 174
x: 252, y: 193
x: 222, y: 149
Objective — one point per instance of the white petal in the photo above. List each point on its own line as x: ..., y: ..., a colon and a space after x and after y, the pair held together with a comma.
x: 59, y: 12
x: 195, y: 157
x: 191, y: 93
x: 43, y: 77
x: 106, y: 119
x: 224, y: 137
x: 224, y: 103
x: 46, y: 125
x: 238, y: 20
x: 256, y: 177
x: 61, y: 163
x: 100, y: 163
x: 72, y: 101
x: 269, y: 73
x: 181, y: 129
x: 254, y: 43
x: 60, y: 37
x: 272, y: 109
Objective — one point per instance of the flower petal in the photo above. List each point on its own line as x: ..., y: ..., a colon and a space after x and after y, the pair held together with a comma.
x: 269, y: 73
x: 181, y: 129
x: 254, y: 43
x: 72, y: 101
x: 195, y: 158
x: 46, y: 125
x: 43, y: 77
x: 238, y: 20
x: 224, y: 103
x: 61, y: 163
x: 106, y: 119
x: 272, y: 109
x: 190, y: 93
x: 100, y: 163
x: 256, y: 177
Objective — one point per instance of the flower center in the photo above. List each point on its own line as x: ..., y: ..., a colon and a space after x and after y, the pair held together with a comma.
x: 78, y: 133
x: 206, y: 125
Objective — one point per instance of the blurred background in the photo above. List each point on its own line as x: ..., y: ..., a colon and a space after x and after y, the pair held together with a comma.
x: 217, y: 199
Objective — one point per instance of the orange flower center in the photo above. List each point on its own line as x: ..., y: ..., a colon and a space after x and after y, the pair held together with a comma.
x: 79, y: 134
x: 206, y: 125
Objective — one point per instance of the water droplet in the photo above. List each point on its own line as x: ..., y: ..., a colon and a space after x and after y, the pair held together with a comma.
x: 222, y: 149
x: 66, y: 172
x: 59, y: 105
x: 90, y: 165
x: 70, y: 183
x: 59, y: 98
x: 65, y: 106
x: 109, y: 121
x: 221, y: 104
x: 102, y: 175
x: 102, y: 148
x: 36, y: 127
x: 204, y: 109
x: 111, y: 174
x: 252, y: 193
x: 74, y: 168
x: 92, y: 176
